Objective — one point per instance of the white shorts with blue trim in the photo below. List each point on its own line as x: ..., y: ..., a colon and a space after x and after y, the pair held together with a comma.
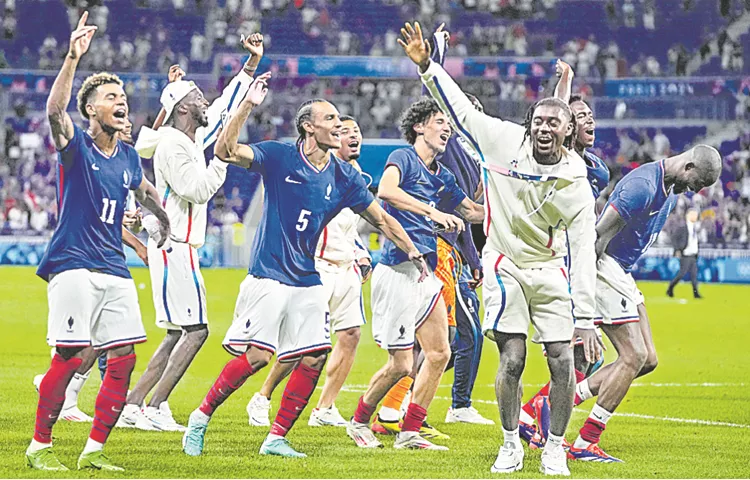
x: 289, y: 321
x: 93, y: 309
x: 515, y: 298
x: 400, y: 304
x: 177, y: 286
x: 617, y: 296
x: 343, y: 289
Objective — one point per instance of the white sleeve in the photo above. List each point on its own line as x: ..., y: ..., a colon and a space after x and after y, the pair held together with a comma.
x: 191, y: 180
x: 224, y: 107
x: 582, y: 237
x: 360, y: 251
x: 485, y: 134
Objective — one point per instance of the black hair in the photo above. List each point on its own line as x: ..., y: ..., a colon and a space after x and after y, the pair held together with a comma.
x: 418, y: 112
x: 347, y: 118
x: 570, y: 140
x: 304, y: 114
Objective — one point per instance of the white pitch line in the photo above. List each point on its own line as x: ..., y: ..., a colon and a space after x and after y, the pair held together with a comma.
x: 656, y: 385
x: 696, y: 421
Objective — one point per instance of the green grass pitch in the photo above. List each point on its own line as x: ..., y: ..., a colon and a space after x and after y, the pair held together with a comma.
x: 690, y: 418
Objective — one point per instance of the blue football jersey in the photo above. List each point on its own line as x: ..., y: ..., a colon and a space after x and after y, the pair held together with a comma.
x: 433, y: 187
x: 643, y: 201
x: 92, y: 191
x: 597, y: 173
x: 299, y: 202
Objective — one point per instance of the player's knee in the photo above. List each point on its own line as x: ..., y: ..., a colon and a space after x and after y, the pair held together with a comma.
x: 316, y: 362
x: 650, y: 365
x: 636, y: 357
x: 512, y: 367
x: 258, y: 358
x: 400, y: 367
x: 197, y: 334
x: 439, y: 356
x: 349, y: 338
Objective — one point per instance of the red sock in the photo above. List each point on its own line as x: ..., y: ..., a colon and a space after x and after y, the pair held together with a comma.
x: 592, y: 430
x: 52, y: 395
x: 111, y: 396
x: 413, y: 419
x: 297, y: 393
x: 234, y: 375
x: 364, y: 411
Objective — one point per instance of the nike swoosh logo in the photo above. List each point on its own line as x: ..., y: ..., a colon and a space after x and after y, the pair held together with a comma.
x: 651, y: 214
x: 288, y: 179
x: 94, y: 167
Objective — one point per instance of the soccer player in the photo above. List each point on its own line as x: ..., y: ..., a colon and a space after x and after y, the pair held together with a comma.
x: 92, y: 298
x: 534, y: 187
x: 282, y: 305
x: 185, y: 184
x: 344, y: 265
x: 412, y: 185
x: 70, y: 410
x: 598, y: 176
x: 459, y: 268
x: 632, y: 219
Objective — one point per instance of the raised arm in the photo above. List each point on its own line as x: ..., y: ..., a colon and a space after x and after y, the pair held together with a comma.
x: 60, y: 122
x: 226, y: 105
x: 148, y: 197
x: 481, y: 131
x: 379, y: 218
x: 565, y: 85
x: 227, y: 149
x: 175, y: 74
x: 390, y: 191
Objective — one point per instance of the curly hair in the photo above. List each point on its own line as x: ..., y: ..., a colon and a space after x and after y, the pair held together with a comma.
x: 418, y: 112
x: 570, y: 140
x: 90, y: 85
x: 304, y: 114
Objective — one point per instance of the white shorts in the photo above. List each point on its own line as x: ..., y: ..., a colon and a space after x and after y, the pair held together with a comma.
x: 516, y: 297
x: 617, y: 296
x: 90, y: 308
x: 343, y: 289
x: 177, y: 286
x: 289, y: 321
x: 400, y: 304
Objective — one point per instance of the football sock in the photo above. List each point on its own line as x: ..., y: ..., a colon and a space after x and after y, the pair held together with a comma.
x: 74, y: 388
x: 394, y: 398
x: 297, y: 393
x: 583, y: 392
x: 52, y: 396
x: 553, y: 441
x: 111, y: 397
x: 364, y: 411
x: 232, y: 377
x: 92, y: 446
x: 414, y: 417
x: 511, y: 438
x: 593, y: 427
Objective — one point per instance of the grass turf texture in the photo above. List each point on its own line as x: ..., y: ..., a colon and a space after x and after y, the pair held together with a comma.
x: 698, y: 342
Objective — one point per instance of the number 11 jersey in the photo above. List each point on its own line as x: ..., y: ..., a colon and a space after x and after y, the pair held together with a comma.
x: 92, y: 191
x: 299, y: 202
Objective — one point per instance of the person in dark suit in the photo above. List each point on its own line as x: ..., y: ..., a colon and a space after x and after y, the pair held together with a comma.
x: 685, y: 244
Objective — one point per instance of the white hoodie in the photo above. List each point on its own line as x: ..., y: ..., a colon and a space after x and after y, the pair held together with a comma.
x: 183, y: 181
x: 530, y: 207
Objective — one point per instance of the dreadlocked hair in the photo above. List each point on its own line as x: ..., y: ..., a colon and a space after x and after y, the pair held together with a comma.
x: 304, y: 114
x: 418, y: 112
x: 90, y: 85
x: 570, y: 140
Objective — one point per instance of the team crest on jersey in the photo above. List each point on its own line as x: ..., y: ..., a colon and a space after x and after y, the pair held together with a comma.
x: 125, y: 179
x: 70, y: 325
x: 328, y: 192
x: 624, y: 303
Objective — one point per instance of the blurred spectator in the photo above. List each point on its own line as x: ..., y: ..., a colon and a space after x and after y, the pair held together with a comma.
x: 662, y: 148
